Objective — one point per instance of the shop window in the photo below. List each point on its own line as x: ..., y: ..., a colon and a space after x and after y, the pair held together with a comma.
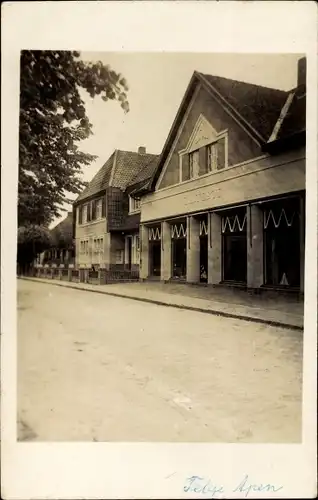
x: 282, y: 244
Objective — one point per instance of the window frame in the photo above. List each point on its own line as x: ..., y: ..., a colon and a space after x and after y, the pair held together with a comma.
x: 92, y: 211
x: 132, y: 205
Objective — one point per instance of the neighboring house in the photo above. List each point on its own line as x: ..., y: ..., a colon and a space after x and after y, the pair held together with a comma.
x: 106, y: 218
x: 225, y: 203
x: 63, y: 250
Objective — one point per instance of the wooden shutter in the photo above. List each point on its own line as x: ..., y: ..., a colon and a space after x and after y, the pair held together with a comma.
x: 221, y: 153
x: 203, y: 161
x: 185, y: 168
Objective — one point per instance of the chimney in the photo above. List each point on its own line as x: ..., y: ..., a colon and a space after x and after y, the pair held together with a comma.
x: 301, y: 76
x: 142, y: 150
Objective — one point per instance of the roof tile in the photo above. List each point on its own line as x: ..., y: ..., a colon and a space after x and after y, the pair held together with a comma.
x: 259, y: 106
x: 128, y: 166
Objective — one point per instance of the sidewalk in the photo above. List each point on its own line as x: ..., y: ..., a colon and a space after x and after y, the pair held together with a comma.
x: 277, y: 311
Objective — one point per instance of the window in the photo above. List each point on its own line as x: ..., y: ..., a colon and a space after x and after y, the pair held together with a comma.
x: 98, y: 245
x: 194, y: 164
x: 119, y: 256
x: 137, y: 243
x: 84, y: 248
x: 89, y: 213
x: 207, y: 159
x: 134, y: 204
x: 80, y: 214
x: 216, y: 155
x: 84, y: 212
x: 94, y: 209
x: 212, y: 157
x: 99, y: 208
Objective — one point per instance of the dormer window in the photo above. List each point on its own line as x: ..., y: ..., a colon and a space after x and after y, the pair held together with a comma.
x: 134, y: 204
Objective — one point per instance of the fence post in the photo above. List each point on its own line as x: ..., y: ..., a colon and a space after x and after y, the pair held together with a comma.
x: 69, y: 274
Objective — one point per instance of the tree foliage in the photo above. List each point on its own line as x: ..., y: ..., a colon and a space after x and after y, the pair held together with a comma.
x: 32, y: 240
x: 53, y: 121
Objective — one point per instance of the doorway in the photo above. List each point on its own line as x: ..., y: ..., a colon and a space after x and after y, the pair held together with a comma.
x: 179, y: 258
x: 179, y: 249
x: 155, y: 257
x: 129, y: 252
x: 234, y: 246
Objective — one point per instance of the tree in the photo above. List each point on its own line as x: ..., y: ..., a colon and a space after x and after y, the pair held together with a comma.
x: 53, y: 121
x: 32, y: 240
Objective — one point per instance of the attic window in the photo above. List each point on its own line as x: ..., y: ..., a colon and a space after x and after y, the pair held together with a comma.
x: 210, y: 158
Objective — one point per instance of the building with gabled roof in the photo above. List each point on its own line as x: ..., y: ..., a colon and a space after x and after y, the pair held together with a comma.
x: 62, y: 251
x: 225, y: 202
x: 106, y: 218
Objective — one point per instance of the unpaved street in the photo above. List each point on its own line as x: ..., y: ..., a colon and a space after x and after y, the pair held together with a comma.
x: 102, y: 368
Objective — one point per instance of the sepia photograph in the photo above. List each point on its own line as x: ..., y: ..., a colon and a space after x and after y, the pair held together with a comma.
x: 161, y: 247
x: 159, y: 250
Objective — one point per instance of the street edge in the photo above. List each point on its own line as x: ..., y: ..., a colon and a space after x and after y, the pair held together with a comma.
x: 176, y: 306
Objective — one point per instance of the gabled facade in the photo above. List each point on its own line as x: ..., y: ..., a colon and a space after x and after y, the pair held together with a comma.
x: 106, y: 218
x: 226, y: 202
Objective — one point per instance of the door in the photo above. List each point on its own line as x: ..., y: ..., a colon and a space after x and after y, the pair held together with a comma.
x: 129, y: 251
x: 155, y: 258
x: 234, y: 258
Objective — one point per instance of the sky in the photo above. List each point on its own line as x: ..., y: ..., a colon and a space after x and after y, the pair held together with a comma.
x: 157, y: 83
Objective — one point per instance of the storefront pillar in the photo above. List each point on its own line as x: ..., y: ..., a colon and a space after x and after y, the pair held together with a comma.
x: 166, y: 258
x: 255, y: 246
x: 144, y: 252
x: 193, y: 250
x: 214, y: 249
x: 302, y: 211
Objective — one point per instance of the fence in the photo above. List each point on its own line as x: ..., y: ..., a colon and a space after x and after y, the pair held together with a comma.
x: 100, y: 277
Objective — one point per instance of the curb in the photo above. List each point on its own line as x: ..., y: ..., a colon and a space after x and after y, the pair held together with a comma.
x: 176, y: 306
